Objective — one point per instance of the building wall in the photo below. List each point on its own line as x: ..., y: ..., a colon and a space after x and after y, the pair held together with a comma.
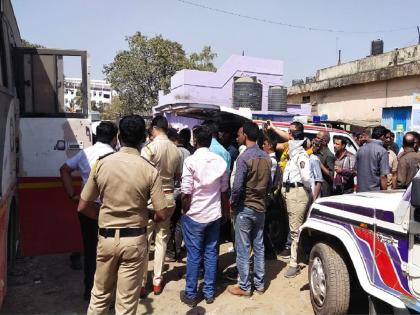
x: 362, y: 101
x: 371, y: 63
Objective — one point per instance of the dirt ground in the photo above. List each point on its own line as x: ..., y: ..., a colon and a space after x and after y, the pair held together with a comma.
x: 46, y: 284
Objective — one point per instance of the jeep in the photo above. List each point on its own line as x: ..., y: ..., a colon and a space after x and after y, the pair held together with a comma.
x: 364, y: 242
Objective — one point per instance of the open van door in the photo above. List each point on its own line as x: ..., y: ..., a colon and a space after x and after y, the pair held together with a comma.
x: 226, y: 117
x: 53, y: 127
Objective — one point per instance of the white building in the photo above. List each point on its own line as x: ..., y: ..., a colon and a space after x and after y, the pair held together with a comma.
x: 101, y: 92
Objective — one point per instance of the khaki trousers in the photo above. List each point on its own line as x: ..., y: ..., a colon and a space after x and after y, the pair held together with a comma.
x: 161, y: 231
x: 118, y: 265
x: 297, y: 200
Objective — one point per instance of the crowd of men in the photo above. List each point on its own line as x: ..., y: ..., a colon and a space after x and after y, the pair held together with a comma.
x: 170, y: 192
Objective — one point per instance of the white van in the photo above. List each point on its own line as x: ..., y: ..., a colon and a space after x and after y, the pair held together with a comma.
x: 310, y: 131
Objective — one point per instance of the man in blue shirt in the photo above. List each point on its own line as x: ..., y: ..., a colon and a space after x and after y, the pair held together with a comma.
x: 216, y: 147
x: 372, y: 163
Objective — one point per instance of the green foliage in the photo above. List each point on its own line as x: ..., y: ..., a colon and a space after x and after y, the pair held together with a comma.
x: 27, y: 44
x: 203, y: 60
x: 138, y: 73
x: 93, y: 106
x: 78, y: 99
x: 112, y: 111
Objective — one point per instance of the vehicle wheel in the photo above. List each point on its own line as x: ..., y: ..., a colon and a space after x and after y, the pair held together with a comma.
x: 329, y: 281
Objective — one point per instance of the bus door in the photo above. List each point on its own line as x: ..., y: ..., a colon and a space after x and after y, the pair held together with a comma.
x: 53, y: 89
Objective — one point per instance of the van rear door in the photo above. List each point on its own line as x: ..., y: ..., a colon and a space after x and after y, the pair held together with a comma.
x: 224, y: 116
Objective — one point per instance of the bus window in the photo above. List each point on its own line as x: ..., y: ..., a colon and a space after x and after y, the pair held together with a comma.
x: 73, y: 82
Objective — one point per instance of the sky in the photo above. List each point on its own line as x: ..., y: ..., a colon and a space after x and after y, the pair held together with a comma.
x: 256, y: 28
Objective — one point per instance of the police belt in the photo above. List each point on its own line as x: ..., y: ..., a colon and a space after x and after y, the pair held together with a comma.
x: 124, y: 232
x: 294, y: 185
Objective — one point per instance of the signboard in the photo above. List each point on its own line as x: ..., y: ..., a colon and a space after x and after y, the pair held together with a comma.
x: 415, y: 113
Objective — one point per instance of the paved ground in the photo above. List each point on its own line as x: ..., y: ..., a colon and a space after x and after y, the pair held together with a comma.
x: 47, y: 285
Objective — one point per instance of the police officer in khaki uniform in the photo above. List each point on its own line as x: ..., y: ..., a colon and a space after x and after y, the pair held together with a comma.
x: 125, y: 182
x: 295, y: 189
x: 166, y: 157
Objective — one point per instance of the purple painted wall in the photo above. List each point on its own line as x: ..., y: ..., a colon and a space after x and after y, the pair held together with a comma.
x: 192, y: 86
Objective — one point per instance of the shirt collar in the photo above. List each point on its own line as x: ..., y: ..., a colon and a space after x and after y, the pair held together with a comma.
x: 101, y: 144
x: 294, y: 144
x: 214, y: 141
x: 254, y: 146
x: 324, y: 151
x: 407, y: 150
x: 377, y: 141
x: 130, y: 150
x: 161, y: 137
x: 203, y: 149
x: 344, y: 155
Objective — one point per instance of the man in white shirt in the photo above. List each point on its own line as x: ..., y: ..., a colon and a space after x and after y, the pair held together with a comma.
x: 106, y: 139
x: 269, y: 148
x: 204, y: 195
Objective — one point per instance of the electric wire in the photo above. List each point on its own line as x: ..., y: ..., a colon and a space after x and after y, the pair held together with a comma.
x: 295, y: 26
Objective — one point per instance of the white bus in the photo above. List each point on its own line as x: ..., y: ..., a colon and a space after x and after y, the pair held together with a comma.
x: 37, y: 134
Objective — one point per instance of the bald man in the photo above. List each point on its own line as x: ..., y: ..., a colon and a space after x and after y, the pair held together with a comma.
x: 408, y: 162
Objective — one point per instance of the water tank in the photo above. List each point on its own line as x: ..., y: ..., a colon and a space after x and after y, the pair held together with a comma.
x: 247, y: 92
x: 377, y: 47
x: 277, y: 98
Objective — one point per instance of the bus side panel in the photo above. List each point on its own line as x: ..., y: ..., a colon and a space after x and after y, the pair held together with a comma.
x: 48, y: 219
x: 49, y: 222
x: 3, y: 247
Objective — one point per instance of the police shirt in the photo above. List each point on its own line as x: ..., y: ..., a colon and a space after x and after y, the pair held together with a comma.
x: 297, y: 169
x: 166, y: 158
x: 124, y: 181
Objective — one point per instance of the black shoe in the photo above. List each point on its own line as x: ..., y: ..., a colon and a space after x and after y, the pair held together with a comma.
x: 209, y: 300
x: 190, y: 302
x: 285, y: 253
